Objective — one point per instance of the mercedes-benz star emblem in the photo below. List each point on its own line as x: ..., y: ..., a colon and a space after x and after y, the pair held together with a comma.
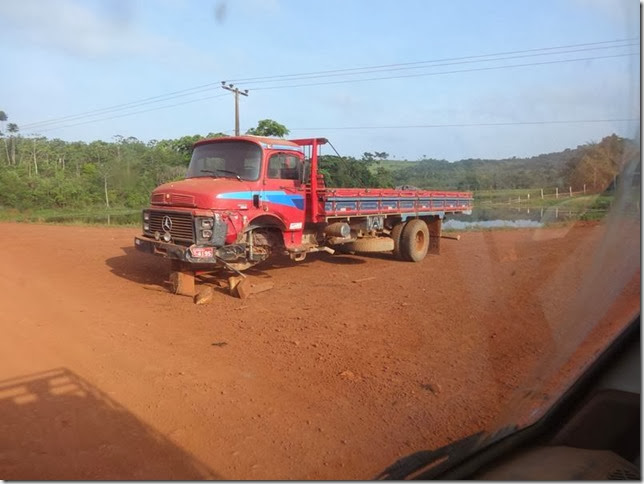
x: 166, y: 224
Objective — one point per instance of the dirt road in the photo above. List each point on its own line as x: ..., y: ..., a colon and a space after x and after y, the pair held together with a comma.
x: 105, y: 375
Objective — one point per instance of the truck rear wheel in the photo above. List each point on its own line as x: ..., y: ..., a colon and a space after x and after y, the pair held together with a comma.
x: 396, y: 232
x: 414, y: 240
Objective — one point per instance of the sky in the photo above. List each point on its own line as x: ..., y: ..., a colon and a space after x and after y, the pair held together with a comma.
x: 465, y: 78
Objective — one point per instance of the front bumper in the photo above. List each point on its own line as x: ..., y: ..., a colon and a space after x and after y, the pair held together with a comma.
x: 168, y: 250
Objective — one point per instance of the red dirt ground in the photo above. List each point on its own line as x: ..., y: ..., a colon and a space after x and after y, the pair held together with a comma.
x: 106, y: 375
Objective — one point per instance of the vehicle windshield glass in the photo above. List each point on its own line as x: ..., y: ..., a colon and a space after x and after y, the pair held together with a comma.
x: 226, y: 159
x: 317, y: 253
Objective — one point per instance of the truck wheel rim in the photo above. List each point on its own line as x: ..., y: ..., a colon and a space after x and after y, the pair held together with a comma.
x: 419, y: 240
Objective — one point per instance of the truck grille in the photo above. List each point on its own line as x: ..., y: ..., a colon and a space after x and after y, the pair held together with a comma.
x: 182, y: 224
x: 173, y: 199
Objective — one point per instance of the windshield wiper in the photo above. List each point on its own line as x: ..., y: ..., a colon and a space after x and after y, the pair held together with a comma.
x: 219, y: 170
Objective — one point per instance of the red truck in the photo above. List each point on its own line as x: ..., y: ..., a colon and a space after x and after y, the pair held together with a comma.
x: 246, y: 198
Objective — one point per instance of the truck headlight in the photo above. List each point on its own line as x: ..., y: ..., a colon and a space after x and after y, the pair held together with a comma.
x: 206, y: 234
x: 206, y: 223
x: 146, y: 226
x: 146, y: 216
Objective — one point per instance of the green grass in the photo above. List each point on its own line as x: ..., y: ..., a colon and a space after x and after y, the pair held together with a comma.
x: 504, y: 195
x: 88, y: 216
x: 519, y: 198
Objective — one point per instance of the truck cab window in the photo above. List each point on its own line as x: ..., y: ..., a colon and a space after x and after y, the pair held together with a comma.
x: 283, y: 166
x: 213, y: 164
x: 226, y: 159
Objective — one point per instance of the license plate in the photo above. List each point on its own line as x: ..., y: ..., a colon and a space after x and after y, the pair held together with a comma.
x: 202, y: 252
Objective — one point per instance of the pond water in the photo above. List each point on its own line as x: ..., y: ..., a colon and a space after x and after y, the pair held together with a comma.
x: 512, y: 217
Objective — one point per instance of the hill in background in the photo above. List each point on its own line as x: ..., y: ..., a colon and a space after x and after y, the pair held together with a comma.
x: 592, y: 164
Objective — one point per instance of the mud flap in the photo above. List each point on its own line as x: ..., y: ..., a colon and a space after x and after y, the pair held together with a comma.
x: 435, y: 227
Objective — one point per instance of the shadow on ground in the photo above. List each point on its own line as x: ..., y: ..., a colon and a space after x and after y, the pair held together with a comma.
x: 147, y: 269
x: 140, y: 267
x: 56, y: 426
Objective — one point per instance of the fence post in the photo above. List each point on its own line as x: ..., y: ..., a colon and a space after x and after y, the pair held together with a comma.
x: 542, y: 194
x: 528, y: 197
x: 557, y: 192
x: 570, y: 191
x: 584, y: 189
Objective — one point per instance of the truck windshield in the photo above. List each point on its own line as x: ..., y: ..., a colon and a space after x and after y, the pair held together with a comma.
x: 226, y: 159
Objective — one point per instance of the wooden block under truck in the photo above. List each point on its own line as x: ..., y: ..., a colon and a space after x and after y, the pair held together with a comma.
x: 247, y: 198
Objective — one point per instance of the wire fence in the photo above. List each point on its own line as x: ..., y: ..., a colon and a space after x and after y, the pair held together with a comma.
x: 547, y: 194
x: 534, y: 195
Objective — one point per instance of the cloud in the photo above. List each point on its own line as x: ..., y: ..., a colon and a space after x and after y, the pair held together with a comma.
x: 77, y: 29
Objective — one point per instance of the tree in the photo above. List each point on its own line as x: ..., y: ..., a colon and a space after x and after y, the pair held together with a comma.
x: 3, y: 120
x: 367, y: 156
x: 99, y: 152
x: 268, y: 127
x: 34, y: 151
x: 599, y: 163
x: 216, y: 135
x: 381, y: 155
x: 13, y: 129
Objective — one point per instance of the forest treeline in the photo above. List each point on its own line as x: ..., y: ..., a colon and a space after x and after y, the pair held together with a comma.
x: 37, y: 172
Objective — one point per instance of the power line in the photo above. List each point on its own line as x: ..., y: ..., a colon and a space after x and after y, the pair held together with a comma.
x: 153, y: 100
x: 425, y: 74
x: 347, y: 81
x: 344, y: 82
x: 214, y: 85
x: 438, y: 60
x: 132, y: 113
x: 434, y: 64
x: 98, y: 112
x: 469, y: 125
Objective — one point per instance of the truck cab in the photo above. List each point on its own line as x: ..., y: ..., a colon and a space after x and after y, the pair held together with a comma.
x: 239, y: 193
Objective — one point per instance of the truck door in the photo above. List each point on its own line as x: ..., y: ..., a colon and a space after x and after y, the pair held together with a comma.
x: 283, y: 189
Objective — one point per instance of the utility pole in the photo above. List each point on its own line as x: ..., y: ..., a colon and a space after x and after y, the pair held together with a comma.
x: 236, y: 92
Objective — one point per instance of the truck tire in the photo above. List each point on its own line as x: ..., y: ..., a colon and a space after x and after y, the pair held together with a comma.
x: 414, y: 240
x: 396, y: 232
x: 370, y: 244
